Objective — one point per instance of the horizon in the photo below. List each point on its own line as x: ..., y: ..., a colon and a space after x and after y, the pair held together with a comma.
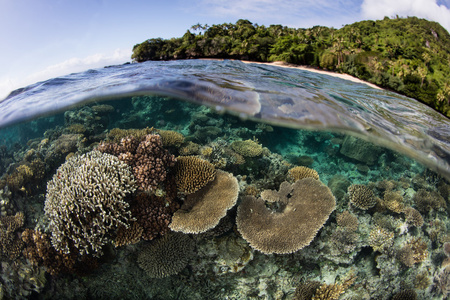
x: 51, y: 39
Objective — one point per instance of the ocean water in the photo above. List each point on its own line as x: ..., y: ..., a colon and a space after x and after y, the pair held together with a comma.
x: 221, y: 180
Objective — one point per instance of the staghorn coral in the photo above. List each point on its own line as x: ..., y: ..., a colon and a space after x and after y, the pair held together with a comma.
x: 193, y: 173
x: 147, y: 157
x: 247, y: 148
x: 427, y: 201
x: 203, y: 209
x: 347, y: 220
x: 405, y: 295
x: 10, y: 244
x: 166, y: 256
x: 361, y: 196
x: 381, y: 240
x: 413, y: 217
x: 301, y: 210
x: 85, y: 201
x: 301, y: 172
x: 40, y: 252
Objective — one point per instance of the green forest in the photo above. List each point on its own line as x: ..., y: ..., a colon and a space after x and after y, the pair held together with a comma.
x: 408, y: 55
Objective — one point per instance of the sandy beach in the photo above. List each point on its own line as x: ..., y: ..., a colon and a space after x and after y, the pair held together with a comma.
x: 312, y: 69
x: 307, y: 68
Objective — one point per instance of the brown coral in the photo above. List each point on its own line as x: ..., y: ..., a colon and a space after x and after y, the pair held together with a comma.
x: 247, y: 148
x: 10, y: 245
x: 170, y: 138
x: 40, y: 252
x: 166, y: 256
x: 405, y: 295
x: 426, y: 201
x: 301, y: 210
x: 413, y: 217
x: 393, y: 201
x: 306, y: 290
x: 204, y: 209
x: 334, y: 291
x: 347, y: 220
x: 128, y: 235
x: 193, y: 173
x: 415, y: 251
x: 301, y: 172
x: 146, y: 155
x: 153, y: 213
x: 361, y: 196
x: 380, y: 239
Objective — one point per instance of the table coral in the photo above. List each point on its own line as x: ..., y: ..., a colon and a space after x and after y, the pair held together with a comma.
x: 307, y: 204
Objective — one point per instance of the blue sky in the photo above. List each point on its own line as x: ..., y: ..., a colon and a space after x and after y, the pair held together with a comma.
x: 41, y: 39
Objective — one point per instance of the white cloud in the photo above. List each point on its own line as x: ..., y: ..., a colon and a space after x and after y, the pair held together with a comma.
x: 295, y: 13
x: 427, y: 9
x: 72, y: 65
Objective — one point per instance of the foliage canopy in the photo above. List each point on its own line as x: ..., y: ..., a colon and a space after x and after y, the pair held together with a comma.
x: 408, y: 55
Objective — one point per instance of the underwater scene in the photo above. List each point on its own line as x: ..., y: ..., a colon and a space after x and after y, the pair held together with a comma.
x: 221, y: 180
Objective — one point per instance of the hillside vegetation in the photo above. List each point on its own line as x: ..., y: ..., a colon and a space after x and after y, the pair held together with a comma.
x: 408, y: 55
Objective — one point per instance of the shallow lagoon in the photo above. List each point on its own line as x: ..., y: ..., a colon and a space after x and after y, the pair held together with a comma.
x: 386, y: 233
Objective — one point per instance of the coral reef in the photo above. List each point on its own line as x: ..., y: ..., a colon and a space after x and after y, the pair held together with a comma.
x: 166, y: 256
x: 360, y: 150
x: 415, y: 251
x: 381, y: 240
x: 21, y: 280
x: 170, y: 138
x: 442, y: 281
x: 301, y: 172
x: 427, y: 201
x: 203, y: 209
x: 361, y: 196
x: 153, y: 214
x: 147, y: 157
x: 40, y: 252
x: 347, y: 220
x: 307, y: 203
x: 10, y: 243
x: 247, y: 148
x: 85, y: 201
x: 193, y: 173
x: 413, y: 217
x: 405, y: 295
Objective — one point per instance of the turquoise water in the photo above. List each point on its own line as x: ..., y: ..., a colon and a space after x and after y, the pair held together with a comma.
x: 103, y: 225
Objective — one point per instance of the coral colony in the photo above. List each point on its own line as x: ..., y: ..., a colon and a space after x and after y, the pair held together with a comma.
x: 213, y: 207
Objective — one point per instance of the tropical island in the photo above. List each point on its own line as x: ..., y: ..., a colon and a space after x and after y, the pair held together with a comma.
x: 410, y: 56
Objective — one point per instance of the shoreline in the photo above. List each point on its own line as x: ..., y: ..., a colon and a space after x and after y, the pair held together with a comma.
x: 305, y: 68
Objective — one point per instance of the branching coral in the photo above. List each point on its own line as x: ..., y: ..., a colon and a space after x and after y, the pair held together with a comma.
x: 393, y: 201
x: 247, y: 148
x: 361, y: 196
x: 426, y: 201
x: 298, y: 212
x: 413, y: 217
x: 381, y: 240
x: 347, y: 220
x: 405, y: 295
x: 301, y: 172
x: 85, y: 201
x: 415, y: 251
x: 442, y: 281
x: 166, y: 256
